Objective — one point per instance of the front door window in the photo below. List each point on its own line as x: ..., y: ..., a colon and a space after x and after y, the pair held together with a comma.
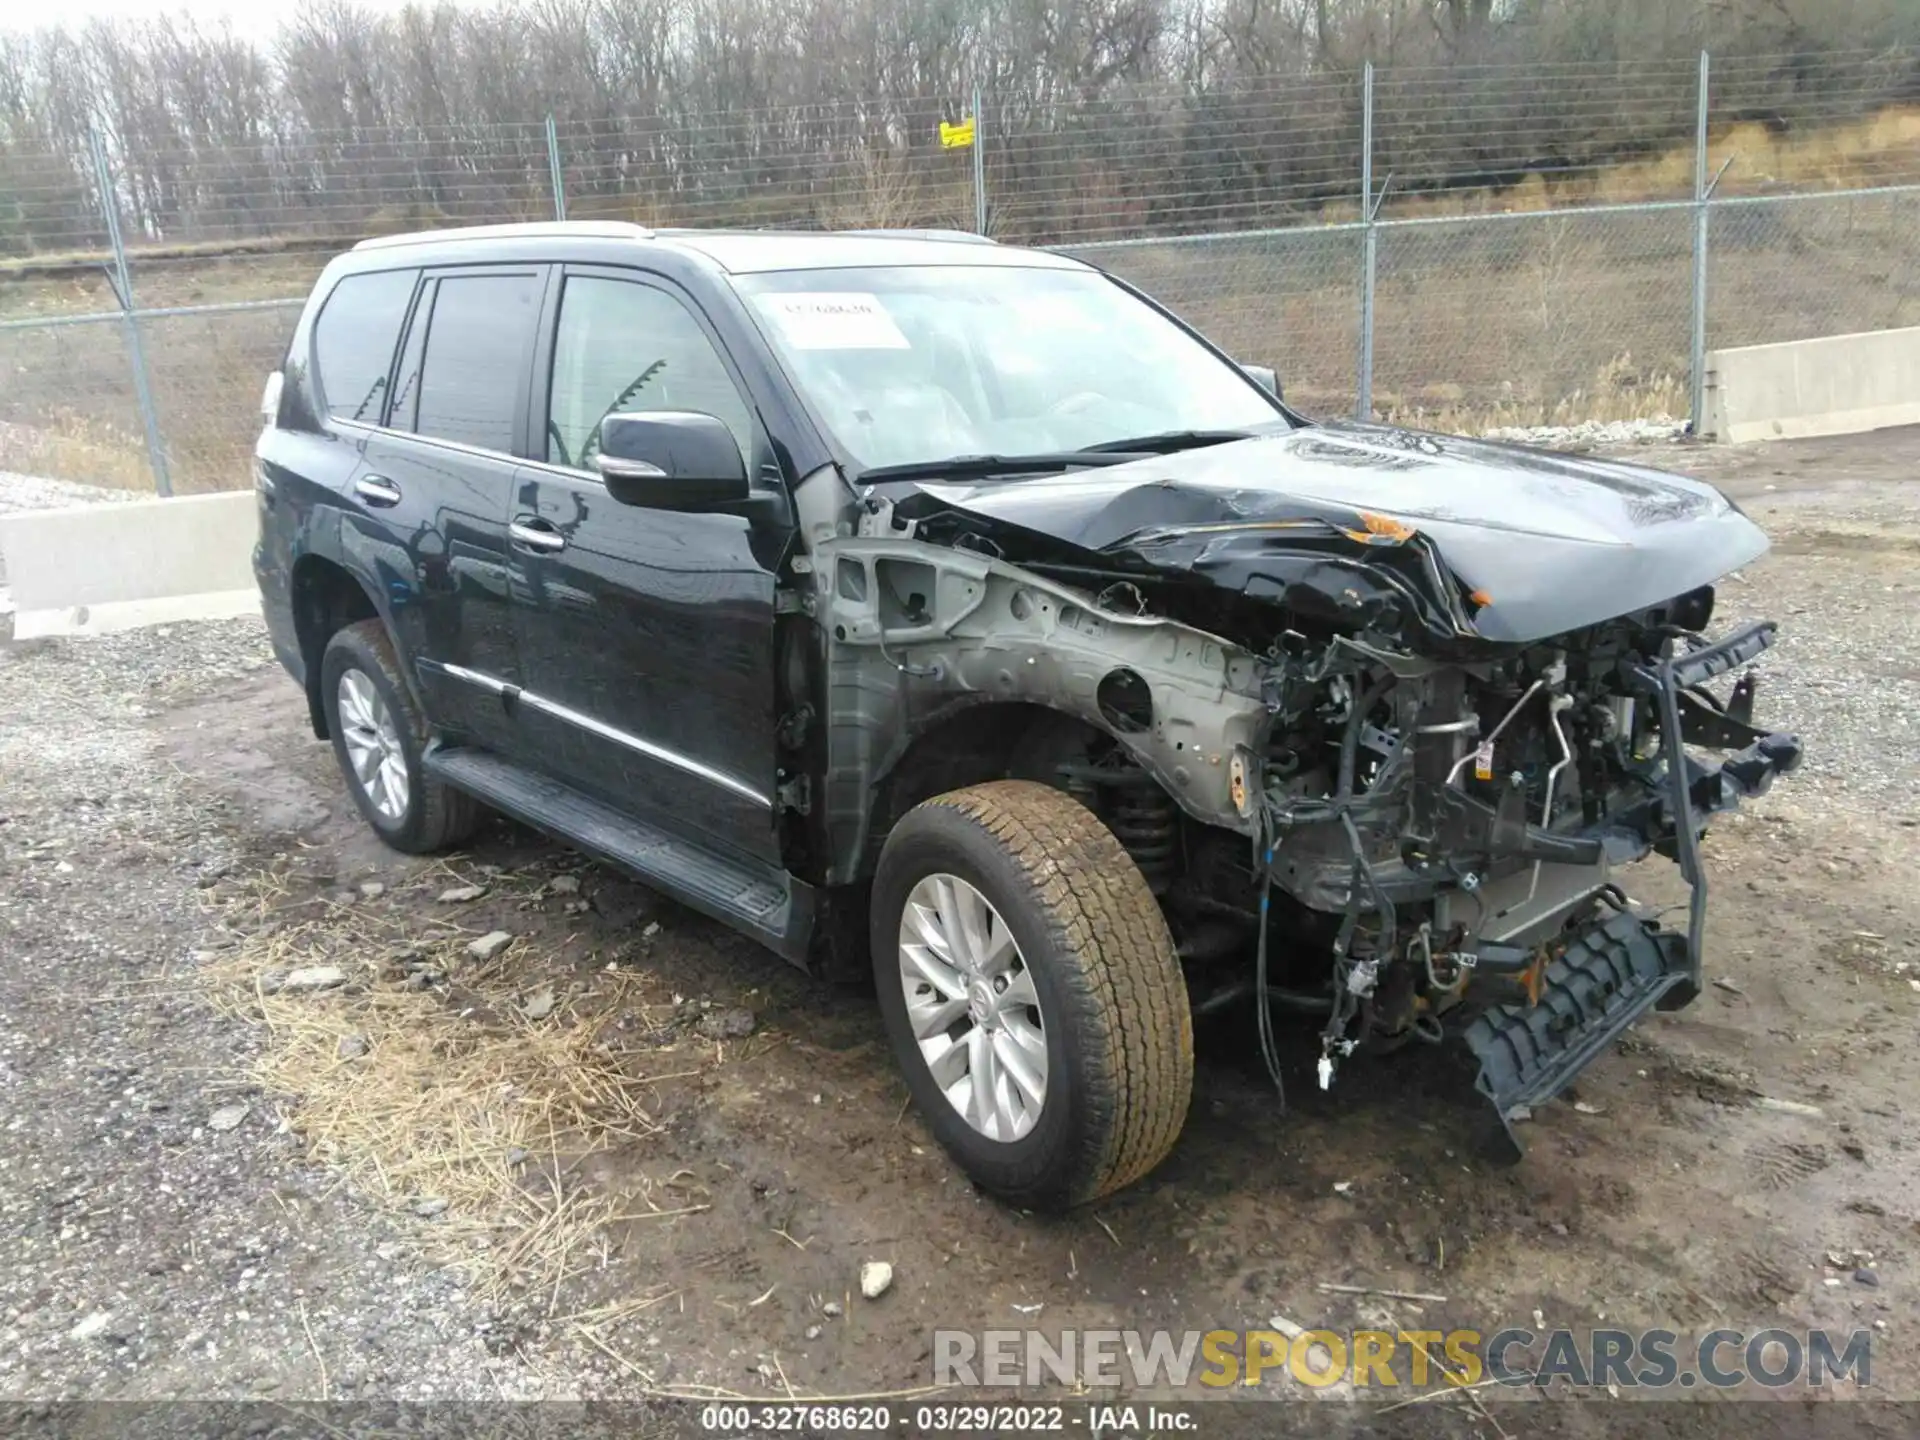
x: 624, y: 347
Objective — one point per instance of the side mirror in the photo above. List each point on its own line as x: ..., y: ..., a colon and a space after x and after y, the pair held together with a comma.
x: 671, y: 460
x: 1263, y: 376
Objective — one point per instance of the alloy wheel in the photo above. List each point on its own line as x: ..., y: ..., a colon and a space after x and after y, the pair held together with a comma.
x: 373, y: 745
x: 972, y: 1005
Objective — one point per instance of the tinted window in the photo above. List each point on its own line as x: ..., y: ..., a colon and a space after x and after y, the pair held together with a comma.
x: 353, y: 341
x: 624, y: 347
x: 406, y: 380
x: 476, y: 356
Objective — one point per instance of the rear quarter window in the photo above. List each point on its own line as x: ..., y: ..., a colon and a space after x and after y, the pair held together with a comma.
x: 353, y: 342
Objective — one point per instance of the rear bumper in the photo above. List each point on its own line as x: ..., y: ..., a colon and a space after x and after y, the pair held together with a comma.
x: 276, y: 608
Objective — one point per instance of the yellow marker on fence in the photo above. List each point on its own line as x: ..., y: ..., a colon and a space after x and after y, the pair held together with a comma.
x: 956, y: 137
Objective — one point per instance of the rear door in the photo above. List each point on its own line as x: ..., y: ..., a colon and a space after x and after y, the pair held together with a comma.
x: 647, y: 635
x: 336, y: 393
x: 441, y: 467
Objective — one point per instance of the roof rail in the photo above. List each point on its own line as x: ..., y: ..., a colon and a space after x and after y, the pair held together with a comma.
x: 960, y: 237
x: 534, y: 230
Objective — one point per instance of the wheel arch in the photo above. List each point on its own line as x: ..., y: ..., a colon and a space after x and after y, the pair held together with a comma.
x: 973, y: 740
x: 327, y: 597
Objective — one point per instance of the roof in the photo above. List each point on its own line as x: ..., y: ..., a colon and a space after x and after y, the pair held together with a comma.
x: 746, y: 252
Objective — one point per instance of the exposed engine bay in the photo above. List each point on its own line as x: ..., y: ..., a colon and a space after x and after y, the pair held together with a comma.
x: 1324, y: 742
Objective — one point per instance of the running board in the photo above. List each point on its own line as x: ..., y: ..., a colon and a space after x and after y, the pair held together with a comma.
x: 1606, y: 978
x: 767, y: 904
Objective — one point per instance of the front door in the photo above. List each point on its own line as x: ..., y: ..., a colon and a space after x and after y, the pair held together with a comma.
x: 646, y: 636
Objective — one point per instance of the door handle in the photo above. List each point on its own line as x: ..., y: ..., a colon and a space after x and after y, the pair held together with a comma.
x: 377, y: 491
x: 536, y: 535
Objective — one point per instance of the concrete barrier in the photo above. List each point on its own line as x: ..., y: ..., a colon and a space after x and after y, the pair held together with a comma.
x: 1835, y: 385
x: 93, y: 568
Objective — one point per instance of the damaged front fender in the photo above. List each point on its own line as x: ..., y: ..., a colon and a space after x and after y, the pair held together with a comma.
x: 914, y: 631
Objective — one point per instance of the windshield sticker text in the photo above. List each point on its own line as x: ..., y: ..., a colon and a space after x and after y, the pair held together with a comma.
x: 833, y: 320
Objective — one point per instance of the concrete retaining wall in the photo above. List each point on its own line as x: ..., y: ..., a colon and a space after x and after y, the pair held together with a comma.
x: 1835, y: 385
x: 108, y: 567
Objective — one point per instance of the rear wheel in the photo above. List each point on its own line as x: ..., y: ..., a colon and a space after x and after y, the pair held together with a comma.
x: 1031, y: 992
x: 379, y: 735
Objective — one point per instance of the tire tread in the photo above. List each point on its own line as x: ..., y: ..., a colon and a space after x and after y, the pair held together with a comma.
x: 1123, y: 975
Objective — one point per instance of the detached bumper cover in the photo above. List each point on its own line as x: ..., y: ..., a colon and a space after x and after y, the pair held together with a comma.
x: 1588, y: 995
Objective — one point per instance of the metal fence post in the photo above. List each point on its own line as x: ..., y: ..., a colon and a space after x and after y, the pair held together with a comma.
x: 979, y: 168
x: 1363, y: 398
x: 123, y: 292
x: 1697, y: 350
x: 554, y: 170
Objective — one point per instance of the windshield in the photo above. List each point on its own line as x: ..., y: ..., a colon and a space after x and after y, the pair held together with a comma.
x: 905, y: 365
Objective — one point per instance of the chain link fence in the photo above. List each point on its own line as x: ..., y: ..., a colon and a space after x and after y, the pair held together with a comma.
x: 1541, y: 318
x: 1288, y: 298
x: 1786, y: 267
x: 1428, y: 247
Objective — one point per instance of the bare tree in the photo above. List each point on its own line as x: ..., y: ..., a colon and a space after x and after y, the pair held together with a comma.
x: 1103, y: 116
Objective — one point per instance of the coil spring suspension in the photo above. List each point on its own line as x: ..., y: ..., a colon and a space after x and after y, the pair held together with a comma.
x: 1080, y: 785
x: 1144, y: 819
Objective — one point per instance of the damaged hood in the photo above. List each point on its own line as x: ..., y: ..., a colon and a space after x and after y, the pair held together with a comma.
x: 1479, y: 540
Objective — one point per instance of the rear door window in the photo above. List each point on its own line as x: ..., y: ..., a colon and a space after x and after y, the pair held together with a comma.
x: 354, y: 338
x: 405, y: 406
x: 473, y: 366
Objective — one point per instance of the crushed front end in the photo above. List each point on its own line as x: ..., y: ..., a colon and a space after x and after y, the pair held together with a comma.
x: 1386, y: 713
x: 1458, y: 827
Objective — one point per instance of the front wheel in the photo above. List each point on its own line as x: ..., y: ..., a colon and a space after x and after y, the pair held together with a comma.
x: 1031, y: 992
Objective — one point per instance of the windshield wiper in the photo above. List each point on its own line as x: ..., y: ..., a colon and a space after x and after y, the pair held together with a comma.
x: 1167, y: 442
x: 963, y: 467
x: 1108, y: 452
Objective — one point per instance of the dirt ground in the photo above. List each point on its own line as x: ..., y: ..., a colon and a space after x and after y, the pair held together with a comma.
x: 272, y: 1192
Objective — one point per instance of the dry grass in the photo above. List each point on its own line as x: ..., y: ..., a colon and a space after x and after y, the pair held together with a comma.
x: 161, y: 281
x: 64, y: 443
x: 1661, y: 398
x: 68, y: 410
x: 1881, y: 149
x: 52, y: 261
x: 459, y: 1103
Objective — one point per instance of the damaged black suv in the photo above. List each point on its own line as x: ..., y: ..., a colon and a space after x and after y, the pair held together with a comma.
x: 915, y: 601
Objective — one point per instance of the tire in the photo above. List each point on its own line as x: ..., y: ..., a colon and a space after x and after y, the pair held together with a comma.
x: 1090, y: 947
x: 368, y: 705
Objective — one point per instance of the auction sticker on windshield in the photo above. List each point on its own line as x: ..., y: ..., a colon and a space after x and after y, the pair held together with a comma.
x: 833, y: 320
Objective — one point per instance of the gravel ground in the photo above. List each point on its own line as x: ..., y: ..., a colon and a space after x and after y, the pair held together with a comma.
x: 150, y: 1248
x: 1843, y: 580
x: 166, y: 1230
